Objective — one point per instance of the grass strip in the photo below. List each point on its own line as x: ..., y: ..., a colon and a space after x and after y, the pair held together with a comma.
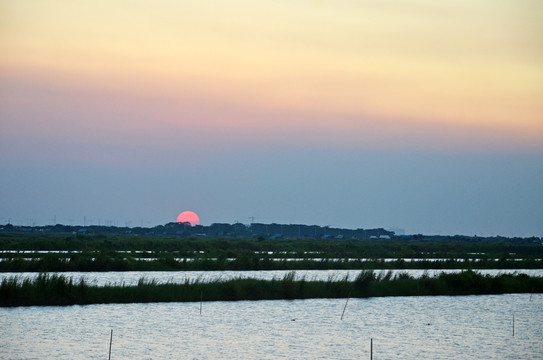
x: 48, y: 289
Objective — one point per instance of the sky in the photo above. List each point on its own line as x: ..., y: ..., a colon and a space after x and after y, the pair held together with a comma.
x: 403, y: 114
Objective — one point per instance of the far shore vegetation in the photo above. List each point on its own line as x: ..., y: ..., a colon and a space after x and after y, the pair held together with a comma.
x: 166, y: 262
x: 55, y: 289
x: 60, y: 252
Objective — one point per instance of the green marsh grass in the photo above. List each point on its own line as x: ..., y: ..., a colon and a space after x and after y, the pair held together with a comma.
x: 60, y: 290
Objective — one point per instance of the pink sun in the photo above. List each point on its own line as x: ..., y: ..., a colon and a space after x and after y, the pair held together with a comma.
x: 188, y: 217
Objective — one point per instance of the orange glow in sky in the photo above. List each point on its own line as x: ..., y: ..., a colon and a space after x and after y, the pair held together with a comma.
x: 390, y: 68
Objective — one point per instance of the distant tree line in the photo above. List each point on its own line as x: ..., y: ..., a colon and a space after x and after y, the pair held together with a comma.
x: 293, y: 231
x: 255, y: 230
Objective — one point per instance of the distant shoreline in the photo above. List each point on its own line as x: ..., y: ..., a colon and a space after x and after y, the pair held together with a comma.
x: 40, y: 252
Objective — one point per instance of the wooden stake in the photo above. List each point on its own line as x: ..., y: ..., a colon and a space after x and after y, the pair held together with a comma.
x: 110, y: 341
x: 513, y: 324
x: 371, y: 348
x: 345, y: 307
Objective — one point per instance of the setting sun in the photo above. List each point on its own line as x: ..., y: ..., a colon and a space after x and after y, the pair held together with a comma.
x: 188, y: 217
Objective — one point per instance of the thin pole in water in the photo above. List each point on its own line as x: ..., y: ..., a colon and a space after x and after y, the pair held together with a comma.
x: 371, y: 348
x: 345, y: 307
x: 531, y: 294
x: 201, y: 299
x: 110, y: 341
x: 513, y: 324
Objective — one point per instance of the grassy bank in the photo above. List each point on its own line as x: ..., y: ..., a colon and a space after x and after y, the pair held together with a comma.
x: 57, y: 252
x: 60, y: 290
x: 166, y: 262
x: 210, y: 247
x: 51, y: 263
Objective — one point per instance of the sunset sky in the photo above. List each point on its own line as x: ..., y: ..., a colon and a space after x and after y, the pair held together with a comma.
x: 414, y: 114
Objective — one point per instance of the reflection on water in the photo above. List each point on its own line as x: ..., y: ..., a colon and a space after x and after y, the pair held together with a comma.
x: 132, y: 277
x: 443, y: 327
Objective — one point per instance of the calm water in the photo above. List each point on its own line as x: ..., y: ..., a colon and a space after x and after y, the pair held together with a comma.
x: 132, y: 277
x: 462, y: 327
